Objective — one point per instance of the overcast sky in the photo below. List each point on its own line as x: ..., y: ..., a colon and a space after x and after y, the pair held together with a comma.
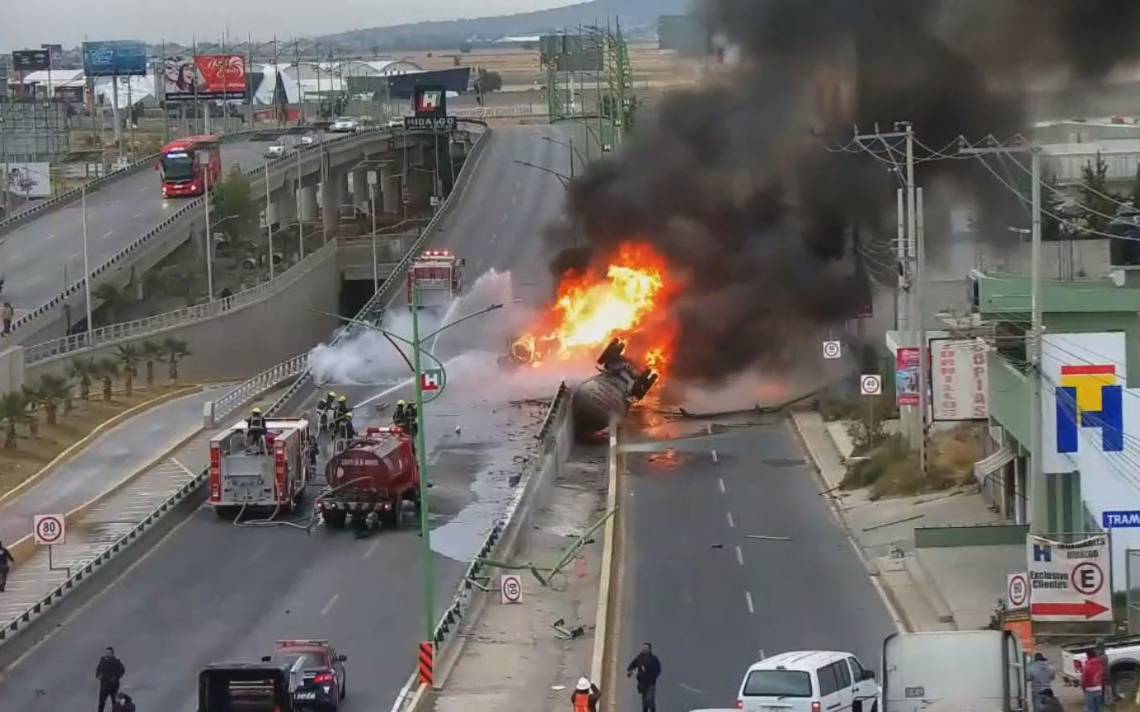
x: 29, y: 23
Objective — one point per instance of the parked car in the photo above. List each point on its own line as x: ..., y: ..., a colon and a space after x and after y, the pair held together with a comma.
x: 1123, y: 654
x: 345, y: 124
x: 396, y: 123
x: 808, y: 681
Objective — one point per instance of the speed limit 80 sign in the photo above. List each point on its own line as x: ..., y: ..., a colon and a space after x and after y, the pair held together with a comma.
x: 49, y: 529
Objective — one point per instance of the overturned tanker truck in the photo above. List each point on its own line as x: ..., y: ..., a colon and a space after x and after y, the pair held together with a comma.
x: 606, y: 397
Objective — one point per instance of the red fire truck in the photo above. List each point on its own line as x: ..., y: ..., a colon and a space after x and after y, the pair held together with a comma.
x: 267, y: 473
x: 187, y: 165
x: 439, y: 276
x: 374, y: 480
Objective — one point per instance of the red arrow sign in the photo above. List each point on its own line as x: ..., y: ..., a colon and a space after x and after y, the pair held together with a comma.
x: 1087, y: 609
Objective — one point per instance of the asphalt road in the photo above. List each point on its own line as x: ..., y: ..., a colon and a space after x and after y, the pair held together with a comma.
x: 41, y: 257
x: 713, y: 601
x: 212, y: 592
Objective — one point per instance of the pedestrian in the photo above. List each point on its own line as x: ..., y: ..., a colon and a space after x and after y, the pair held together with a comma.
x: 109, y: 672
x: 1041, y: 675
x: 1046, y: 702
x: 7, y: 313
x: 648, y: 669
x: 1092, y: 680
x: 6, y: 561
x: 585, y: 696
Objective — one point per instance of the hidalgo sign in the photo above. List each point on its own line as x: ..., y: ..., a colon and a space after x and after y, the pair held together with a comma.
x: 1069, y: 581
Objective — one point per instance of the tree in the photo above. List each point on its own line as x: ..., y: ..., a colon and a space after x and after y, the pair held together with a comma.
x: 82, y: 371
x: 464, y: 48
x: 175, y: 351
x: 112, y: 298
x: 107, y: 370
x: 129, y: 356
x: 151, y: 352
x: 32, y: 402
x: 1097, y: 203
x: 54, y: 390
x: 13, y: 412
x: 233, y: 200
x: 488, y: 81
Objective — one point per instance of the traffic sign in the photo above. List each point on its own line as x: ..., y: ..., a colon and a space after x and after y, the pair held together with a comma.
x: 49, y: 529
x: 1120, y: 519
x: 1069, y: 580
x: 870, y: 384
x: 510, y: 588
x: 431, y: 379
x: 832, y: 349
x: 1084, y: 610
x: 1016, y: 591
x: 1087, y: 578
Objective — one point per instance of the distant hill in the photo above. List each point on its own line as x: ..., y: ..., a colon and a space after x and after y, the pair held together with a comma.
x: 639, y: 17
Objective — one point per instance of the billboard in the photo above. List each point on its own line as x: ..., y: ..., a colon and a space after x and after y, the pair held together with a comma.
x: 55, y: 53
x: 960, y: 376
x: 209, y: 76
x: 906, y: 375
x: 571, y: 53
x: 1069, y: 581
x: 70, y: 94
x: 31, y: 60
x: 430, y: 102
x: 119, y: 58
x: 28, y: 180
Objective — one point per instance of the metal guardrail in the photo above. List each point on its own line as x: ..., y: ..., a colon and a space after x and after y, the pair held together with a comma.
x: 174, y: 217
x: 456, y: 611
x: 140, y: 328
x: 75, y: 193
x: 233, y: 400
x: 490, y: 112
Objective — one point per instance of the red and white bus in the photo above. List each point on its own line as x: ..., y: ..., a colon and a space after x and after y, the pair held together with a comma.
x: 187, y: 163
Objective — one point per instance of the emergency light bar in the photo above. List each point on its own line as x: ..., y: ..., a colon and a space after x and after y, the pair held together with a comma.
x: 299, y: 643
x: 437, y: 253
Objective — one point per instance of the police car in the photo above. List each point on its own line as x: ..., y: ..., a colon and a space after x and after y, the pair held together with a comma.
x: 322, y: 684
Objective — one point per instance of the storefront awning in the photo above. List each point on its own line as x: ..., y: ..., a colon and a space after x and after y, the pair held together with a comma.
x: 993, y: 462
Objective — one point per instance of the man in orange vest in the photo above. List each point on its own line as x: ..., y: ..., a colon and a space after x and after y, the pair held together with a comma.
x: 585, y: 696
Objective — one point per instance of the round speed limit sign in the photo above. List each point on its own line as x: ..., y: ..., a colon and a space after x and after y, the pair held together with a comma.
x: 49, y: 529
x: 1017, y: 591
x: 870, y: 384
x: 510, y: 588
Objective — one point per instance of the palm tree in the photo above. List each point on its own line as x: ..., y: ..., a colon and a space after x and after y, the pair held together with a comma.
x: 54, y: 390
x: 32, y: 400
x: 151, y: 352
x: 129, y: 356
x: 175, y: 350
x: 13, y: 411
x: 112, y: 298
x: 107, y: 370
x: 82, y: 371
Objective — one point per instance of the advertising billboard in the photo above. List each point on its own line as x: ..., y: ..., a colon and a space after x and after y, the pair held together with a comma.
x: 1069, y: 581
x: 210, y: 76
x: 959, y: 381
x: 30, y: 60
x: 119, y: 58
x: 28, y: 180
x: 906, y: 376
x: 431, y: 101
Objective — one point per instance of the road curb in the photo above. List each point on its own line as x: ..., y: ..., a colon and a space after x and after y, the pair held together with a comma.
x: 71, y: 450
x: 598, y: 667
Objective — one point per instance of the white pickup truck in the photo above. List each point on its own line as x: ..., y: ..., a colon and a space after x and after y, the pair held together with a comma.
x: 1123, y: 655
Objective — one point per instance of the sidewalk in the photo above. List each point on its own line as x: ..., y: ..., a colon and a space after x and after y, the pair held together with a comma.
x: 512, y: 659
x: 156, y: 466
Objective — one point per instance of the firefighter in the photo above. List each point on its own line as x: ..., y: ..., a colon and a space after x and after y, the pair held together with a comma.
x: 324, y: 405
x: 255, y: 429
x: 342, y: 406
x: 400, y: 414
x: 344, y: 428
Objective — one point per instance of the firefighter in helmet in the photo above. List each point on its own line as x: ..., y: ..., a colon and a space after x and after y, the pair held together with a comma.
x: 342, y: 406
x: 344, y: 427
x: 400, y: 414
x: 255, y: 429
x: 324, y: 410
x: 411, y: 424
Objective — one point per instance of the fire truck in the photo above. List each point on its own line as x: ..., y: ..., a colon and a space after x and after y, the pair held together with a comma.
x: 373, y: 480
x: 266, y: 473
x: 187, y: 165
x: 439, y: 276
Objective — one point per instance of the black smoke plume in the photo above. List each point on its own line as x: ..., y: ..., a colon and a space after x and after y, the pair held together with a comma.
x: 729, y: 182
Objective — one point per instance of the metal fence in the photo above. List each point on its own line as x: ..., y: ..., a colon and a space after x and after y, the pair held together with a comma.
x: 1132, y: 579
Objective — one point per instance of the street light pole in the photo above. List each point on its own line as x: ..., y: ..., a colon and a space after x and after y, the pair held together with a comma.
x: 425, y: 530
x: 268, y: 222
x: 86, y: 264
x: 375, y: 262
x: 300, y: 202
x: 209, y: 237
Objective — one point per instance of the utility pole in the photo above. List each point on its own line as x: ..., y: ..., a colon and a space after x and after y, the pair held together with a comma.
x: 375, y: 261
x: 300, y: 204
x: 268, y: 220
x: 86, y: 265
x: 425, y: 529
x: 923, y: 352
x: 1038, y: 497
x: 209, y: 237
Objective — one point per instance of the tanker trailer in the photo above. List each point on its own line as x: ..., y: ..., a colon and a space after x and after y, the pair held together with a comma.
x: 606, y: 397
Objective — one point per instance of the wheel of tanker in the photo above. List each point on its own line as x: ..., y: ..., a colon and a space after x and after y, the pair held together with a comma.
x: 613, y: 350
x: 392, y: 517
x: 335, y: 519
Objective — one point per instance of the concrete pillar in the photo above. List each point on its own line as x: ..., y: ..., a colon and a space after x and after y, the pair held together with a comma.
x: 307, y: 203
x: 390, y: 187
x: 332, y: 195
x: 359, y: 188
x: 284, y: 206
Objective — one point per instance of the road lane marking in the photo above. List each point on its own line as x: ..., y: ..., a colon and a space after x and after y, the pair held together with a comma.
x: 185, y: 469
x: 720, y: 484
x: 50, y: 236
x: 372, y: 549
x: 494, y: 236
x: 108, y: 234
x: 715, y: 457
x: 739, y: 555
x: 329, y: 605
x: 690, y: 688
x: 748, y: 599
x: 731, y: 524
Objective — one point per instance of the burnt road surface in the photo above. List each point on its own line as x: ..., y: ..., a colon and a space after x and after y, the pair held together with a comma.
x: 211, y: 591
x: 41, y: 257
x: 711, y: 599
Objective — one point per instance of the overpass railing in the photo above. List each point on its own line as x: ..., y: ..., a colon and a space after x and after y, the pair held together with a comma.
x: 140, y: 328
x: 234, y: 399
x: 130, y: 251
x: 74, y: 194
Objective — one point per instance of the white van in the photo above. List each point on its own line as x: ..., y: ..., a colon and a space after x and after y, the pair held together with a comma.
x: 808, y: 681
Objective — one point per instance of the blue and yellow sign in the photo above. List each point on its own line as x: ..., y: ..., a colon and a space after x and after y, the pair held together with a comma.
x: 1089, y: 397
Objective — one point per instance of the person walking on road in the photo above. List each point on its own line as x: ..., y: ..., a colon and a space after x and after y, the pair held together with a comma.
x: 1041, y: 675
x: 1092, y: 680
x: 585, y: 696
x: 1046, y: 702
x: 7, y: 313
x: 648, y: 669
x: 6, y: 561
x: 109, y: 672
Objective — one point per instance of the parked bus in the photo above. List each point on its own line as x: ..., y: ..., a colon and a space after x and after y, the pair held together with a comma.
x: 187, y: 163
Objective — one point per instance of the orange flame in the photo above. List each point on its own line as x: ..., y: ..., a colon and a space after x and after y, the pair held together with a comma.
x: 627, y: 299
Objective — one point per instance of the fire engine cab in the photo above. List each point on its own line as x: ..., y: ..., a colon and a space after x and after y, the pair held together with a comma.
x: 438, y: 275
x: 263, y: 473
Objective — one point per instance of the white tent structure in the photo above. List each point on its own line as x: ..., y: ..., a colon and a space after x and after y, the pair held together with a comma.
x: 263, y: 93
x: 132, y: 90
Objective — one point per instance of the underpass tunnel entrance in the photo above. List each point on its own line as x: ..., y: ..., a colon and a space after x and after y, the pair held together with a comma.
x: 354, y: 294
